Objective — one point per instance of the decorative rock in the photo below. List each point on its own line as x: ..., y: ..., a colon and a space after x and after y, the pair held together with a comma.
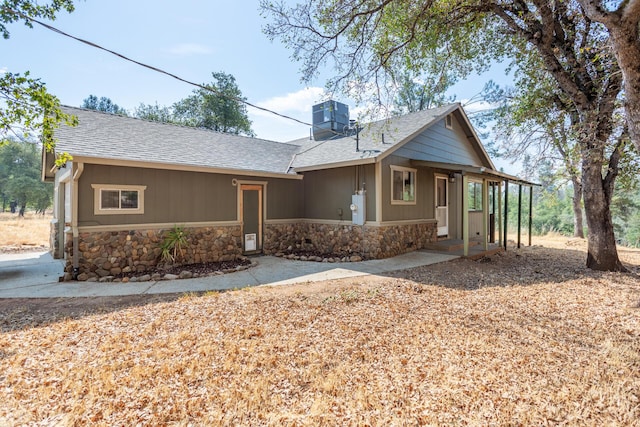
x: 81, y: 277
x: 156, y: 276
x: 106, y: 279
x: 144, y: 278
x: 185, y: 274
x: 355, y: 258
x: 133, y: 279
x: 125, y: 280
x: 304, y: 258
x: 169, y: 276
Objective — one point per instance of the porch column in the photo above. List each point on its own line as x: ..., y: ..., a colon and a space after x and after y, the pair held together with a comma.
x: 519, y: 213
x: 506, y: 212
x: 485, y: 213
x: 499, y: 211
x: 530, y: 211
x: 465, y: 214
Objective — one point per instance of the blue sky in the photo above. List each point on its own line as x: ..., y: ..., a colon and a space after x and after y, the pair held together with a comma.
x: 190, y: 38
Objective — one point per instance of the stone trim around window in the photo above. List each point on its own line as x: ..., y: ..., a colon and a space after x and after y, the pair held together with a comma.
x: 116, y: 199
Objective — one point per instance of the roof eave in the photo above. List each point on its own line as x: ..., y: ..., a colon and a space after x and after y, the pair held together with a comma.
x: 334, y: 165
x: 181, y: 167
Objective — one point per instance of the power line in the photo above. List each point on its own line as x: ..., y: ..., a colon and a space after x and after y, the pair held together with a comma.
x: 151, y: 67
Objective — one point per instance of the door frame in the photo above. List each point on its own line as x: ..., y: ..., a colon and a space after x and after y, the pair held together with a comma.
x: 260, y: 187
x: 442, y: 231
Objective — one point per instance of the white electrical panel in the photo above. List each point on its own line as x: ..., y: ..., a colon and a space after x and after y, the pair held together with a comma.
x: 358, y: 211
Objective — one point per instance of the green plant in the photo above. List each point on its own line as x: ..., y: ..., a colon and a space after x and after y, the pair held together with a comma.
x: 175, y: 240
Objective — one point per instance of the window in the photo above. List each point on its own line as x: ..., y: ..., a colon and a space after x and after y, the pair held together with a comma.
x: 118, y: 199
x: 448, y: 121
x: 475, y: 196
x: 403, y: 185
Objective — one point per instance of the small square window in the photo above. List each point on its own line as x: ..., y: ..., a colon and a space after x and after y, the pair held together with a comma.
x: 118, y: 199
x: 403, y: 185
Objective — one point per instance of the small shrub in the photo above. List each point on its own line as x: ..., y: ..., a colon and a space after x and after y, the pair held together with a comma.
x: 172, y: 247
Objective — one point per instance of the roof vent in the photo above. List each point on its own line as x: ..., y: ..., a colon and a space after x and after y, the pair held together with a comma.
x: 330, y: 118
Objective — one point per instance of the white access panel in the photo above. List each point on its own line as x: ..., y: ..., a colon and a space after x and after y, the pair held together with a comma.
x: 250, y: 242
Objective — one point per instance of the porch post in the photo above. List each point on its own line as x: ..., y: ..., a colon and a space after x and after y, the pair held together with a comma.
x: 485, y: 213
x: 530, y: 212
x: 499, y: 213
x: 506, y: 210
x: 465, y: 214
x: 519, y: 213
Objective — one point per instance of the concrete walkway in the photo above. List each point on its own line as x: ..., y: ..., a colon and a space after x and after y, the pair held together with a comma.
x: 35, y: 275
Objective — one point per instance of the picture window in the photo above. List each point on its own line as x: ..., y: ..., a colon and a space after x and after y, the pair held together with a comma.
x: 118, y: 199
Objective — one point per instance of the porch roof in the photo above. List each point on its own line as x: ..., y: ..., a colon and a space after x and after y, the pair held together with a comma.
x: 465, y: 169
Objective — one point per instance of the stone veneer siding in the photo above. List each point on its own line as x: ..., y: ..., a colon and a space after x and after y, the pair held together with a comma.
x: 107, y: 253
x: 367, y: 241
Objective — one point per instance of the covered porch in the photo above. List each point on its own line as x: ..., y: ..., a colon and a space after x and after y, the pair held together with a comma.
x: 481, y: 210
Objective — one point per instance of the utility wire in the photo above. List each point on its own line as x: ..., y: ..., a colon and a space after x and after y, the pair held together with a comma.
x: 151, y: 67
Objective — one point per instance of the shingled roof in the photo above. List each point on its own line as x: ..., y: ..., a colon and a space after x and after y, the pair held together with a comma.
x: 113, y: 137
x: 373, y: 140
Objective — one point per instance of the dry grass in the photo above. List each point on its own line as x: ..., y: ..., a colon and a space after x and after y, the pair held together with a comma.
x: 30, y: 232
x: 525, y: 338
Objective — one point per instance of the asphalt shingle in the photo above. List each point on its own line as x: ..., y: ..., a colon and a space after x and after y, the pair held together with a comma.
x: 108, y: 136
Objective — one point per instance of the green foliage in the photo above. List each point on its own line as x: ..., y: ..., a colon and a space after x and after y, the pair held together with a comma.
x: 16, y: 10
x: 217, y: 109
x: 26, y: 108
x: 103, y: 104
x: 421, y: 93
x: 173, y: 245
x: 155, y: 113
x: 20, y: 175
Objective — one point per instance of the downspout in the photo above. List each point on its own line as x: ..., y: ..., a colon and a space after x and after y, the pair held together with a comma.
x: 74, y: 220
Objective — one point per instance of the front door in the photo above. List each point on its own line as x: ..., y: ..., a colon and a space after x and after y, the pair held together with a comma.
x: 442, y: 205
x: 251, y: 218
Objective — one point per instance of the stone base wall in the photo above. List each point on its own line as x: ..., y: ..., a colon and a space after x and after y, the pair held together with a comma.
x: 366, y: 241
x: 108, y: 253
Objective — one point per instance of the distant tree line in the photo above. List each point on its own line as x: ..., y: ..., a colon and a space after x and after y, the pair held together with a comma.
x: 219, y: 109
x: 21, y: 186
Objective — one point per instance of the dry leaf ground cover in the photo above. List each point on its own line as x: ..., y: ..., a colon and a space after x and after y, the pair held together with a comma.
x: 529, y: 337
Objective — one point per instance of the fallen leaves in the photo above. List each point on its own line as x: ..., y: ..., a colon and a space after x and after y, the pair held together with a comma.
x: 528, y: 340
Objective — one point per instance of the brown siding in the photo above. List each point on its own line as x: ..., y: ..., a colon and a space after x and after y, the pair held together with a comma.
x: 179, y: 196
x: 285, y: 199
x: 425, y: 187
x: 328, y: 190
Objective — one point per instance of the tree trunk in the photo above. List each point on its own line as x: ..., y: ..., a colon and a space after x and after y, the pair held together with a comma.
x: 602, y: 252
x: 578, y: 228
x: 627, y: 51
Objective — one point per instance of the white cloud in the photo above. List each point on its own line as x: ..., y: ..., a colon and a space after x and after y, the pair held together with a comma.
x: 188, y: 49
x: 295, y: 104
x: 3, y: 70
x: 299, y: 102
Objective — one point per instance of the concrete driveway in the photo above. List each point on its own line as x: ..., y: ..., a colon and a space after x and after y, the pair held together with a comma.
x: 35, y: 275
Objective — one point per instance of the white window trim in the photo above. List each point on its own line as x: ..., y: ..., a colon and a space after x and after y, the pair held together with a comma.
x: 415, y: 185
x: 97, y: 207
x: 448, y: 121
